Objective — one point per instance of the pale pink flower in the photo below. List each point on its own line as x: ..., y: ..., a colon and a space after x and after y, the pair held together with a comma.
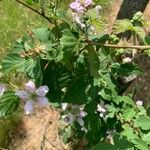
x: 87, y: 3
x: 82, y: 114
x: 76, y: 114
x: 80, y: 5
x: 76, y: 6
x: 32, y: 95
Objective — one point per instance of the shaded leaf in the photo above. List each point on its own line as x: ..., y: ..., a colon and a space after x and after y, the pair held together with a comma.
x: 13, y: 62
x: 8, y: 104
x: 143, y: 122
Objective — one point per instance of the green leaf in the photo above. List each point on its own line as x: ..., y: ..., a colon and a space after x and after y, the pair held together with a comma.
x: 124, y: 99
x: 120, y: 143
x: 103, y: 146
x: 56, y: 77
x: 140, y: 31
x: 147, y: 42
x: 143, y: 122
x: 93, y: 62
x: 146, y: 138
x: 112, y: 110
x: 140, y: 144
x: 93, y: 123
x: 128, y: 114
x: 128, y: 132
x: 142, y: 111
x: 99, y: 38
x: 76, y: 92
x: 106, y: 94
x: 70, y: 40
x: 42, y: 34
x: 126, y: 69
x: 55, y: 54
x: 110, y: 84
x: 123, y: 26
x: 128, y: 100
x: 67, y: 134
x: 66, y: 17
x: 13, y: 62
x: 8, y: 104
x: 32, y: 68
x: 70, y: 44
x: 96, y: 20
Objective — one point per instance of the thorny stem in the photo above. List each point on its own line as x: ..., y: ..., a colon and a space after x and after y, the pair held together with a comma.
x: 146, y: 47
x: 34, y: 10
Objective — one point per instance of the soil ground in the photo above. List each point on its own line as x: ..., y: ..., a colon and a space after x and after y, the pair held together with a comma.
x: 38, y: 131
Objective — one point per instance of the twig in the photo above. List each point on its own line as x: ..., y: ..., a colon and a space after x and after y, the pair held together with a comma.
x: 34, y: 10
x: 147, y: 47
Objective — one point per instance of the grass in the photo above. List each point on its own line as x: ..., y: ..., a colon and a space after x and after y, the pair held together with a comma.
x: 15, y: 20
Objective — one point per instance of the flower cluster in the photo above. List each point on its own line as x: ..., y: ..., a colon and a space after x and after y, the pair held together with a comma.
x: 74, y: 113
x: 101, y: 109
x: 32, y: 96
x: 80, y: 5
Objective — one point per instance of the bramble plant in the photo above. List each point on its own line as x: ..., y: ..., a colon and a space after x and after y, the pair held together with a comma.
x: 79, y: 68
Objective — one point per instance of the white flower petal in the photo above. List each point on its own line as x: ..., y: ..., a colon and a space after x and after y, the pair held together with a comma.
x: 80, y: 121
x: 42, y: 91
x: 98, y: 9
x: 78, y: 21
x: 84, y: 129
x: 28, y: 107
x: 127, y: 60
x: 82, y: 113
x: 42, y: 101
x: 101, y: 115
x: 2, y: 89
x: 139, y: 103
x: 64, y: 106
x: 22, y: 94
x: 30, y: 86
x: 100, y: 108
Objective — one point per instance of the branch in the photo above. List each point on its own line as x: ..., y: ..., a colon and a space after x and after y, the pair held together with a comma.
x: 34, y: 10
x: 146, y: 47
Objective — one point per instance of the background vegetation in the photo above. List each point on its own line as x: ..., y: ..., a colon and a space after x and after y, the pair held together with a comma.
x: 15, y: 21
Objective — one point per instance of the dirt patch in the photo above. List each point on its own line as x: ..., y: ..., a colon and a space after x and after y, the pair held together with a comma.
x: 38, y: 131
x: 147, y: 16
